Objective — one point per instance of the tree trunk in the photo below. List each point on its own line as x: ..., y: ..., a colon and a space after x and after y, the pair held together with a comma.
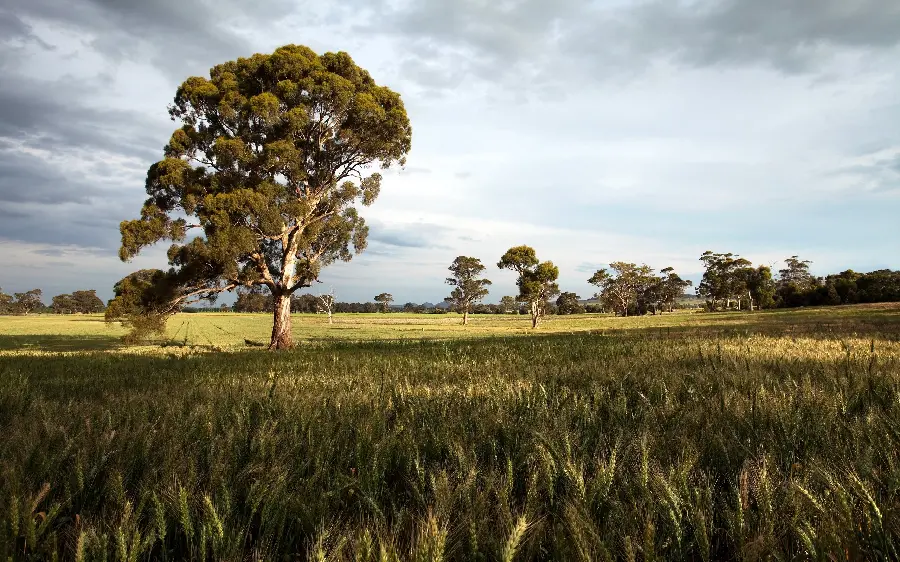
x: 750, y: 299
x: 281, y: 328
x: 330, y: 319
x: 465, y: 316
x: 535, y: 314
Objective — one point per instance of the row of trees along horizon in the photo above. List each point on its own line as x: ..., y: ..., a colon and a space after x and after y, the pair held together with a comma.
x: 729, y: 282
x: 272, y: 155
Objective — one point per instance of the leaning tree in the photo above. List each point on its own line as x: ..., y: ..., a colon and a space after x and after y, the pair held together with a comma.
x: 273, y: 155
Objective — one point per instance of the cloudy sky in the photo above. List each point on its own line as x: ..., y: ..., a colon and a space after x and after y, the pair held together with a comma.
x: 643, y: 131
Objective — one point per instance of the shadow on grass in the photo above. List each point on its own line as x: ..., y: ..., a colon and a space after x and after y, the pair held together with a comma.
x: 56, y: 343
x: 829, y: 323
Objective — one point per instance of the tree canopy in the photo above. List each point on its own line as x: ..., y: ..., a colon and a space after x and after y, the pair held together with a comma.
x: 536, y: 281
x: 78, y: 302
x: 469, y: 288
x: 569, y: 303
x: 26, y: 302
x: 273, y: 155
x: 621, y: 289
x: 385, y: 300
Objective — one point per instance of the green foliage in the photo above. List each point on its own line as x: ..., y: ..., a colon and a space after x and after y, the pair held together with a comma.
x: 744, y: 441
x: 508, y: 304
x: 668, y: 289
x: 847, y: 287
x: 6, y: 303
x: 269, y: 164
x: 628, y: 289
x: 21, y: 303
x: 469, y: 288
x: 568, y: 303
x: 143, y: 302
x: 254, y: 299
x: 536, y: 281
x: 760, y: 286
x: 724, y: 280
x: 385, y: 300
x: 79, y: 302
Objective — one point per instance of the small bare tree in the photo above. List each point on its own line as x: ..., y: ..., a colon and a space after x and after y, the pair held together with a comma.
x: 325, y: 304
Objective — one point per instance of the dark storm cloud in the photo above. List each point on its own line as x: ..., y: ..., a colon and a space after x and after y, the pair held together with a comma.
x: 61, y: 169
x: 93, y: 225
x: 54, y: 116
x: 545, y: 40
x: 13, y: 28
x: 790, y: 35
x: 179, y: 34
x: 71, y: 168
x: 27, y: 179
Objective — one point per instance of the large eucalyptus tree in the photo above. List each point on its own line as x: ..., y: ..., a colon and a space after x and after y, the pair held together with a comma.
x: 273, y: 155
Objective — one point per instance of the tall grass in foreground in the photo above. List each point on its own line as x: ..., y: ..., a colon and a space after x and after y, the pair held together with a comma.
x: 579, y: 447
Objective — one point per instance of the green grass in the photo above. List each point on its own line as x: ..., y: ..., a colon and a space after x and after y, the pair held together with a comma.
x: 686, y: 436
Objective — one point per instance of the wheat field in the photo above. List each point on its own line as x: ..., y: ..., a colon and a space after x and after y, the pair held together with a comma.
x: 407, y: 437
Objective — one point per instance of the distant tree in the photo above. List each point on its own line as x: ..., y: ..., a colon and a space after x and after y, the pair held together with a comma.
x: 568, y: 303
x: 845, y: 285
x: 723, y: 281
x: 508, y: 304
x: 63, y: 304
x: 253, y: 299
x: 796, y: 285
x: 385, y: 300
x: 469, y: 288
x: 325, y: 303
x: 28, y: 301
x: 536, y: 282
x: 760, y: 286
x: 796, y: 272
x: 304, y: 304
x: 626, y: 288
x: 270, y: 163
x: 87, y: 302
x: 668, y: 289
x: 6, y: 303
x: 882, y: 285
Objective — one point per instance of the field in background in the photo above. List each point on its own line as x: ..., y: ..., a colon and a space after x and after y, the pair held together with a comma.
x: 409, y: 437
x: 232, y: 331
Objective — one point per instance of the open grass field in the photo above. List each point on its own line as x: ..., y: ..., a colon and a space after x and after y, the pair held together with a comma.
x: 773, y: 435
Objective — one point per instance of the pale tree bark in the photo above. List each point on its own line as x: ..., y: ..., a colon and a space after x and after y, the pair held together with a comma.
x: 535, y: 314
x: 465, y: 316
x: 281, y: 327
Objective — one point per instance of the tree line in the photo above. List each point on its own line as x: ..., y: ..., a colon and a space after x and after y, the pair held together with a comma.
x: 78, y: 302
x: 731, y: 282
